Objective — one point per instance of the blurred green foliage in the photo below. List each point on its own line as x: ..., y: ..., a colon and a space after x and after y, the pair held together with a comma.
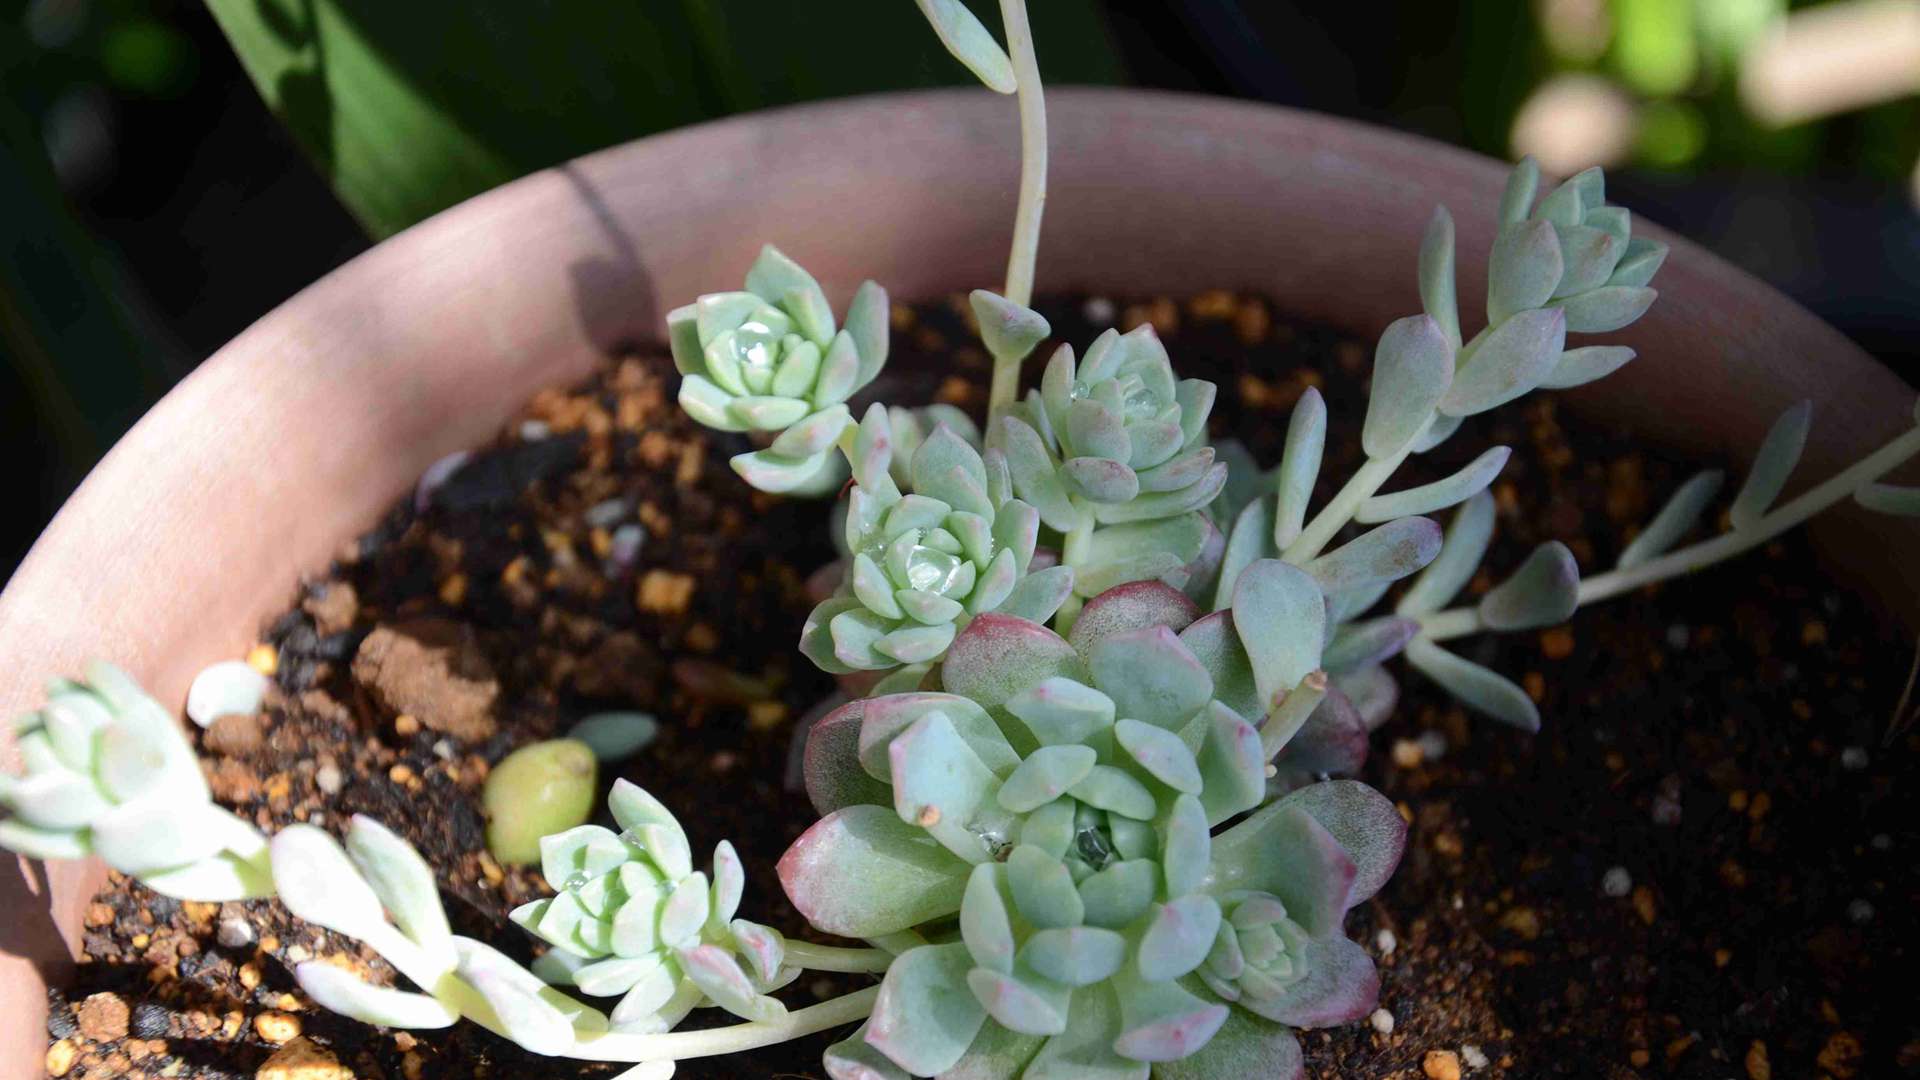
x: 1679, y: 62
x: 409, y: 106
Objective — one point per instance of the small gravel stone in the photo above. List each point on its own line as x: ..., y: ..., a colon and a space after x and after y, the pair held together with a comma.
x: 227, y: 688
x: 1853, y: 758
x: 60, y: 1057
x: 434, y: 671
x: 605, y: 515
x: 1099, y: 310
x: 1617, y: 882
x: 1882, y: 842
x: 150, y: 1021
x: 103, y: 1017
x: 1473, y: 1056
x: 235, y: 735
x: 234, y: 933
x: 1678, y: 636
x: 534, y: 430
x: 1666, y: 803
x: 302, y: 1060
x: 277, y: 1027
x: 1386, y: 942
x: 624, y: 549
x: 1382, y: 1021
x: 1432, y: 744
x: 1860, y: 911
x: 328, y: 779
x: 1441, y: 1065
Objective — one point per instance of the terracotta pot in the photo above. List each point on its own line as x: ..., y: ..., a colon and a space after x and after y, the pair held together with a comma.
x: 291, y: 439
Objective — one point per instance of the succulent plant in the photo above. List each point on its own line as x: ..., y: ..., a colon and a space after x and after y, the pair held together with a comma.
x: 636, y: 921
x: 1060, y: 797
x: 926, y: 562
x: 1106, y: 851
x: 107, y: 772
x: 769, y: 359
x: 1569, y: 265
x: 1111, y: 451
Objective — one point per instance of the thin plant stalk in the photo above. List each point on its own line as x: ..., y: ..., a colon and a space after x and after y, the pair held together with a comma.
x: 1459, y: 622
x: 1033, y: 185
x: 679, y: 1045
x: 834, y: 958
x: 1073, y: 553
x: 1363, y: 485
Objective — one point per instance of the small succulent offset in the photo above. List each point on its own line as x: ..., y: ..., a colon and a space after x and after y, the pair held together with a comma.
x: 769, y: 359
x: 107, y: 772
x: 1061, y: 797
x: 923, y: 564
x: 1112, y: 451
x: 633, y: 919
x: 1108, y: 850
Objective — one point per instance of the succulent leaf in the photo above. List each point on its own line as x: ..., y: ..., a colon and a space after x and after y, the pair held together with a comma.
x: 1412, y: 367
x: 1474, y: 477
x: 1299, y: 466
x: 1678, y: 517
x: 1543, y: 591
x: 1772, y: 465
x: 1467, y: 538
x: 1475, y: 686
x: 971, y: 43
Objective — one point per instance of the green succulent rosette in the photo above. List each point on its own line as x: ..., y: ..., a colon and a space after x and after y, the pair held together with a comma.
x: 631, y: 918
x: 107, y: 772
x: 1111, y: 450
x: 923, y: 563
x: 770, y: 360
x: 1059, y: 797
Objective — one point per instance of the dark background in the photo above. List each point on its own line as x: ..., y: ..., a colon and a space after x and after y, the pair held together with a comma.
x: 154, y: 206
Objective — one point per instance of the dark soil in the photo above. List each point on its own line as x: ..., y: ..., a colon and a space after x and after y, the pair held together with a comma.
x: 1716, y: 745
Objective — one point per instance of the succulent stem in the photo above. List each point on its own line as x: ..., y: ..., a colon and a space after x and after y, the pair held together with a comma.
x: 1285, y: 719
x: 1033, y: 185
x: 1363, y: 485
x: 1073, y: 553
x: 833, y: 958
x: 1459, y: 622
x: 708, y: 1042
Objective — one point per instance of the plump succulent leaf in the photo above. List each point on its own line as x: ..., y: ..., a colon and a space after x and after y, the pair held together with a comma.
x: 1677, y: 518
x: 1299, y: 466
x: 1387, y: 553
x: 1578, y: 367
x: 1889, y: 499
x: 1467, y: 538
x: 1544, y: 591
x: 1778, y: 455
x: 1412, y: 367
x: 1476, y: 687
x: 862, y: 872
x: 1473, y: 478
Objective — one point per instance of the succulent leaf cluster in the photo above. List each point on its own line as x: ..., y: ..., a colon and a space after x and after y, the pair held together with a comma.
x: 923, y: 562
x: 770, y: 360
x: 107, y: 772
x: 632, y: 919
x: 1568, y: 265
x: 1059, y: 796
x: 1114, y: 440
